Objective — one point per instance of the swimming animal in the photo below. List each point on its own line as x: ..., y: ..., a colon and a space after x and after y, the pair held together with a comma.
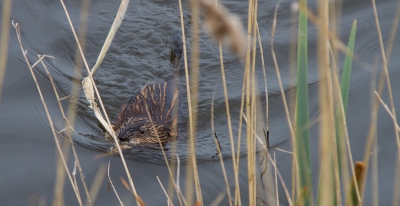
x: 151, y: 115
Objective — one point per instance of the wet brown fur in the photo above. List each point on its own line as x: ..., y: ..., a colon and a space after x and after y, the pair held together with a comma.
x: 150, y: 116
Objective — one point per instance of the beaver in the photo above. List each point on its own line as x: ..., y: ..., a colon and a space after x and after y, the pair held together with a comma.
x: 151, y: 115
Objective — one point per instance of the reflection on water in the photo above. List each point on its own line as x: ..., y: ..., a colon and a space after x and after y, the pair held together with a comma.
x: 139, y: 55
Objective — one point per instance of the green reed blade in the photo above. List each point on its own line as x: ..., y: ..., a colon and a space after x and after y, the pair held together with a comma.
x: 302, y: 115
x: 344, y: 89
x: 345, y: 83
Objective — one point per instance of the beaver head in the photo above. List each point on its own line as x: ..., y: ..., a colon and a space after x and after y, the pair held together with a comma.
x: 141, y: 130
x: 150, y: 116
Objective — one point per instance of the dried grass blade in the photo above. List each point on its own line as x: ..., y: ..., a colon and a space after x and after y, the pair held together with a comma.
x: 99, y: 98
x: 112, y: 185
x: 114, y: 28
x: 219, y: 153
x: 138, y: 199
x: 17, y: 30
x: 165, y: 192
x: 98, y: 180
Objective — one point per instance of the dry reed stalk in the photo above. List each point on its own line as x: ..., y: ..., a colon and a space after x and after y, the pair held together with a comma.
x: 396, y: 188
x: 219, y: 14
x: 278, y: 74
x: 93, y: 85
x: 371, y: 135
x: 74, y: 178
x: 218, y: 199
x: 237, y: 196
x: 192, y: 89
x: 285, y: 104
x: 163, y: 152
x: 114, y: 28
x: 112, y: 185
x: 385, y: 69
x: 335, y: 156
x: 253, y: 108
x: 393, y: 32
x: 186, y: 78
x: 342, y: 119
x: 58, y: 194
x: 5, y: 32
x: 138, y: 199
x: 282, y: 150
x: 327, y: 132
x: 385, y: 106
x: 276, y: 183
x: 165, y: 192
x: 265, y: 80
x: 98, y: 180
x: 73, y: 100
x: 272, y: 162
x: 249, y: 134
x: 67, y: 127
x: 66, y: 122
x: 292, y: 99
x: 219, y: 149
x: 24, y: 52
x: 335, y: 17
x: 375, y: 182
x: 385, y: 63
x: 180, y: 195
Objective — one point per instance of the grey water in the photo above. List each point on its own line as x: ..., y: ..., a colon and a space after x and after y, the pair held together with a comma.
x: 139, y: 55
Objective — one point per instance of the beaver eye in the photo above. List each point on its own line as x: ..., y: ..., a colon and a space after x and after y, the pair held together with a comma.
x: 141, y: 131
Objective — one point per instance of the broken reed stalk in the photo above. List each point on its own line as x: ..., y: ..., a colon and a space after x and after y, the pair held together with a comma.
x: 219, y: 151
x: 24, y: 52
x: 99, y: 97
x: 112, y: 185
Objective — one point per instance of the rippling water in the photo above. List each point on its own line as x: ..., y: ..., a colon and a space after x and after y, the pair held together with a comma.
x: 139, y: 55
